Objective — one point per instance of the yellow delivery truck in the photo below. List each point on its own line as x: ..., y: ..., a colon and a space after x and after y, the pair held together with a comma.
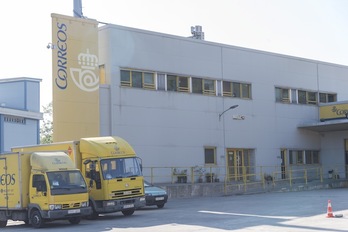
x: 41, y: 186
x: 111, y: 168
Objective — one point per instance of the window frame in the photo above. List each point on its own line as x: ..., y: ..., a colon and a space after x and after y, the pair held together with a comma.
x: 141, y: 83
x: 206, y: 158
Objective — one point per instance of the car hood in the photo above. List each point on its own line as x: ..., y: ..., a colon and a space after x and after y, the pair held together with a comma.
x: 154, y: 191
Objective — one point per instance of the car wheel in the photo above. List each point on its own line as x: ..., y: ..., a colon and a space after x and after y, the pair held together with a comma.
x: 75, y: 220
x: 3, y: 223
x: 160, y: 206
x: 128, y: 212
x: 36, y: 219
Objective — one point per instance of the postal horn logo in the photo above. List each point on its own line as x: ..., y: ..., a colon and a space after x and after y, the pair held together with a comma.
x: 85, y: 77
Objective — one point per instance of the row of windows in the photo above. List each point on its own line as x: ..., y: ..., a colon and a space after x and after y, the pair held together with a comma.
x: 177, y: 83
x: 13, y: 119
x: 286, y: 95
x: 303, y: 157
x: 295, y: 156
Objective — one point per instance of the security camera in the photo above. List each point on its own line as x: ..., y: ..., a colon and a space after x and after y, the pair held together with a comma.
x: 48, y: 46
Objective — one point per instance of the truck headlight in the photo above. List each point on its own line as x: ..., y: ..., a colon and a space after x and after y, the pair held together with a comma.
x: 84, y: 204
x: 55, y: 207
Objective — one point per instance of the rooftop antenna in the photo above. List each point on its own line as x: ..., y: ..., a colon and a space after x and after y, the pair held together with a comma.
x: 197, y: 32
x: 78, y: 9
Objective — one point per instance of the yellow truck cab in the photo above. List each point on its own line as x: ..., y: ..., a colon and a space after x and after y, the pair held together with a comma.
x: 111, y: 169
x: 41, y: 186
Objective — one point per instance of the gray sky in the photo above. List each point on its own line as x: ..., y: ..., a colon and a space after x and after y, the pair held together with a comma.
x: 314, y: 29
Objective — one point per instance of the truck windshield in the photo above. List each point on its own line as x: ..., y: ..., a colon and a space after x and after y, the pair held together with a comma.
x: 120, y: 168
x: 61, y: 181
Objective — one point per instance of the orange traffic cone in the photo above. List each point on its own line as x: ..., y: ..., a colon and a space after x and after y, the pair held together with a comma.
x: 329, y: 210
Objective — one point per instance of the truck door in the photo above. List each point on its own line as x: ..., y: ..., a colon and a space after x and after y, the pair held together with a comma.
x: 38, y: 190
x: 3, y: 172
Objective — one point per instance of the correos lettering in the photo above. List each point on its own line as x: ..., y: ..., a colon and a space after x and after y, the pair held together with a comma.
x: 7, y: 179
x: 61, y: 79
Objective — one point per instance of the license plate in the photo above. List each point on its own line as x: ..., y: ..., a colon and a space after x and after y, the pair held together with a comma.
x: 128, y: 206
x: 159, y: 198
x: 71, y: 211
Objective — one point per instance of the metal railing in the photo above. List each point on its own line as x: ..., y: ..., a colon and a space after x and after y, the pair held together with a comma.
x: 243, y: 177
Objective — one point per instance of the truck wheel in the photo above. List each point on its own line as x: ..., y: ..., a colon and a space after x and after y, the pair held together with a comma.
x: 75, y: 220
x: 3, y: 223
x: 128, y: 212
x: 36, y: 219
x: 160, y: 206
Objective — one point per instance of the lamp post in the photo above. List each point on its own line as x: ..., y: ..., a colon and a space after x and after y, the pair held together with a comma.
x: 223, y: 130
x: 232, y: 107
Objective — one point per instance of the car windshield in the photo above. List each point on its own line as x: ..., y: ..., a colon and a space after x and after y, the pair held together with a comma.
x: 120, y: 168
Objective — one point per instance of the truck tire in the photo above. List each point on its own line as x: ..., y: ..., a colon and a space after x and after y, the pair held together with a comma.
x: 160, y: 206
x: 3, y: 224
x: 128, y: 212
x: 75, y: 220
x: 36, y: 220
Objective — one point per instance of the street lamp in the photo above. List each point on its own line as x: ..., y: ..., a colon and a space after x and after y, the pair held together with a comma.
x: 232, y: 107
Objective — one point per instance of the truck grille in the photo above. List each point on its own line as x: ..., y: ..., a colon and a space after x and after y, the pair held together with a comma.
x: 126, y: 193
x: 71, y: 205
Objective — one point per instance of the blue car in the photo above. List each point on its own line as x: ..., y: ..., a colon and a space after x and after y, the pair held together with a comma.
x: 155, y: 195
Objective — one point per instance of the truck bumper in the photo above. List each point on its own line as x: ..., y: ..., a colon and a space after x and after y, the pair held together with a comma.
x: 120, y: 205
x: 65, y: 213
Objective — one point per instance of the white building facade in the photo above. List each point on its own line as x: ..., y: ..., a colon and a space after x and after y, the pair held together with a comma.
x: 170, y: 98
x: 19, y: 112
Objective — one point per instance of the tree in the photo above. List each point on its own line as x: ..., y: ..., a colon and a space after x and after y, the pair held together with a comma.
x: 46, y: 128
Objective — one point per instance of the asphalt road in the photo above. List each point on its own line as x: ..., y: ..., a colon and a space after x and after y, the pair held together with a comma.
x: 269, y: 212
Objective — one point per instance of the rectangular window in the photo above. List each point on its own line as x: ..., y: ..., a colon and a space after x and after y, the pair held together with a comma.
x: 282, y: 95
x: 197, y: 85
x: 138, y: 79
x: 183, y: 84
x: 296, y: 157
x: 326, y: 97
x: 171, y: 83
x: 331, y: 97
x: 102, y: 77
x: 210, y: 155
x: 178, y: 83
x: 209, y: 87
x: 149, y: 80
x: 161, y: 81
x: 246, y: 91
x: 125, y: 78
x: 14, y: 119
x: 312, y: 98
x: 227, y: 88
x: 312, y: 157
x: 302, y: 97
x: 236, y: 90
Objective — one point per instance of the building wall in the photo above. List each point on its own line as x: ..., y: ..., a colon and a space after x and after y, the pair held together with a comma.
x: 172, y: 128
x: 19, y: 112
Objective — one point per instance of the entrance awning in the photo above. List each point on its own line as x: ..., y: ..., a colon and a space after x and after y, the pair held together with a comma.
x: 327, y: 126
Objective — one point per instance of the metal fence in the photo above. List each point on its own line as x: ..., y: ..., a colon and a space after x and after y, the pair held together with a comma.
x: 243, y: 176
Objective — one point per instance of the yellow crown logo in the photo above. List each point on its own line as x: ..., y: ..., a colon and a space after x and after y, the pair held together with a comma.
x: 88, y: 61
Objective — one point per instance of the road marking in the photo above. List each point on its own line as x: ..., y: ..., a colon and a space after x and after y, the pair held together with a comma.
x: 248, y: 215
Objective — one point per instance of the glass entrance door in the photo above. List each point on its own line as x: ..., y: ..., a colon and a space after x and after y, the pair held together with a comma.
x: 238, y: 162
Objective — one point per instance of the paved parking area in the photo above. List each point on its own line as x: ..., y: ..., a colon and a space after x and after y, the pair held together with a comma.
x: 303, y: 211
